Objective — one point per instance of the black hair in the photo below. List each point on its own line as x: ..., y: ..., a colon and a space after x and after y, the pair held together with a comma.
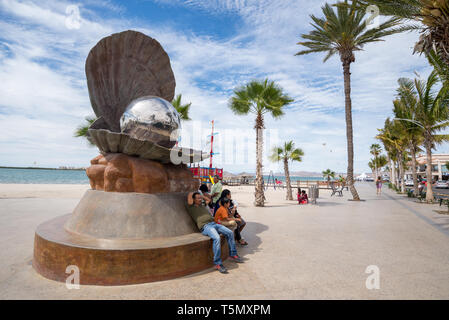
x: 204, y: 188
x: 194, y: 195
x: 223, y: 201
x: 225, y: 193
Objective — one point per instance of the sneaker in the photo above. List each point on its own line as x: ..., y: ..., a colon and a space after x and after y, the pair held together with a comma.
x: 236, y: 259
x: 221, y: 268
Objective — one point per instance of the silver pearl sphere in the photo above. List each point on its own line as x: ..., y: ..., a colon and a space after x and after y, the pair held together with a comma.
x: 152, y: 119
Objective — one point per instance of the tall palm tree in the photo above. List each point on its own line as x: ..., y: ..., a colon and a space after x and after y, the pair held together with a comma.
x: 393, y: 135
x: 375, y: 150
x: 328, y: 174
x: 259, y: 98
x: 183, y: 109
x: 285, y: 154
x: 344, y: 31
x: 405, y: 107
x: 432, y: 116
x: 432, y: 18
x: 385, y: 136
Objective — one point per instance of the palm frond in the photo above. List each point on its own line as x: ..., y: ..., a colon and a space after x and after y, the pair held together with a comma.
x: 259, y: 97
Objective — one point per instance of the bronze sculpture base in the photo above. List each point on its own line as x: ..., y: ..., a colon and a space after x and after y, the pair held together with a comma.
x: 118, y: 262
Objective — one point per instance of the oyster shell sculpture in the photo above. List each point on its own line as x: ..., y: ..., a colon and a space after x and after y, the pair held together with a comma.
x: 130, y: 84
x: 152, y: 118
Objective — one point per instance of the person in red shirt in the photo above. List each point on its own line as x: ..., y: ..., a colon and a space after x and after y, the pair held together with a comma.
x: 303, y: 198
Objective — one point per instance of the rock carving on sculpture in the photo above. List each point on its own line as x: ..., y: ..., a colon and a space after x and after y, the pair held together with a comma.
x: 117, y: 172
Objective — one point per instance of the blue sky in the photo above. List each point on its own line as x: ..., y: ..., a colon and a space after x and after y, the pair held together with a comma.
x: 214, y: 46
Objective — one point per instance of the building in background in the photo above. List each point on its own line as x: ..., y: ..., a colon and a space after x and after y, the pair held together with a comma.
x: 439, y: 170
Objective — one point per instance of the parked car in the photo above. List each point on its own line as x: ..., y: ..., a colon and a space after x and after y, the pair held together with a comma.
x: 442, y: 184
x: 409, y: 183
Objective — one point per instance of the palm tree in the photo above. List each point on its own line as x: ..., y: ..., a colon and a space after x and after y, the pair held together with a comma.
x: 81, y: 131
x: 393, y: 135
x: 328, y: 174
x: 372, y: 166
x: 432, y: 18
x: 381, y: 162
x: 405, y: 107
x: 385, y: 136
x: 375, y: 150
x: 286, y: 153
x: 377, y: 163
x: 432, y: 116
x: 183, y: 109
x: 259, y: 97
x: 345, y: 32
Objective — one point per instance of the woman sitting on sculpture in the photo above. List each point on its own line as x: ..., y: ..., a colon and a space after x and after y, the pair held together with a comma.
x: 233, y: 213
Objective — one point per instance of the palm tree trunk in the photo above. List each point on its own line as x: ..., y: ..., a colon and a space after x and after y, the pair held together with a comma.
x: 289, y: 195
x: 393, y: 172
x: 401, y: 172
x: 415, y: 176
x: 259, y: 191
x: 389, y: 165
x: 429, y: 191
x: 375, y: 166
x: 349, y: 135
x: 397, y: 175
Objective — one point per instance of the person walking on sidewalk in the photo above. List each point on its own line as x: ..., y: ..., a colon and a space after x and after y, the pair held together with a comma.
x: 379, y: 186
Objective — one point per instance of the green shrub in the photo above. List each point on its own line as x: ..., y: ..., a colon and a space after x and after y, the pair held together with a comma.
x: 422, y: 196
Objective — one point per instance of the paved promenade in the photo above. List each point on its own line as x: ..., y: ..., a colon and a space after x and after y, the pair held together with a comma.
x: 295, y: 252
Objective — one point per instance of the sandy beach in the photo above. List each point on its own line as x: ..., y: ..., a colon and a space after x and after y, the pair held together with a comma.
x: 295, y: 252
x: 42, y: 191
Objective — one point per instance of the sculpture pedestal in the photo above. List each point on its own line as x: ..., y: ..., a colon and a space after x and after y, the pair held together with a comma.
x: 116, y: 245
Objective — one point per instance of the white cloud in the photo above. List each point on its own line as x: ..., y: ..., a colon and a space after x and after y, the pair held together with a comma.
x: 44, y: 88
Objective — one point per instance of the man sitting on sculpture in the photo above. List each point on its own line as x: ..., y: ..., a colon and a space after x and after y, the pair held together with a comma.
x: 204, y: 191
x: 207, y: 226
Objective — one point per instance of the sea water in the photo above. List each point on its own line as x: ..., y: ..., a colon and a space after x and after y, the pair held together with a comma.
x: 294, y: 178
x: 43, y: 176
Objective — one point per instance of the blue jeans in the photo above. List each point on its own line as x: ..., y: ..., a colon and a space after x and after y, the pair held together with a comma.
x: 213, y: 230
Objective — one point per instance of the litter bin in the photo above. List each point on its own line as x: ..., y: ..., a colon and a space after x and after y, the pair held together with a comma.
x: 313, y: 194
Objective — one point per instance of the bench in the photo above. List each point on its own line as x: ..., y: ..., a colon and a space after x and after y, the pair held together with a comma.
x: 335, y: 190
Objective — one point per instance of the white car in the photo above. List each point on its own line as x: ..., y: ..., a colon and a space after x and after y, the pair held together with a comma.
x: 409, y: 183
x: 442, y: 184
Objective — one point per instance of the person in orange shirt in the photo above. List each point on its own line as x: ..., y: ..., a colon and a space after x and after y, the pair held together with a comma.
x: 222, y: 215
